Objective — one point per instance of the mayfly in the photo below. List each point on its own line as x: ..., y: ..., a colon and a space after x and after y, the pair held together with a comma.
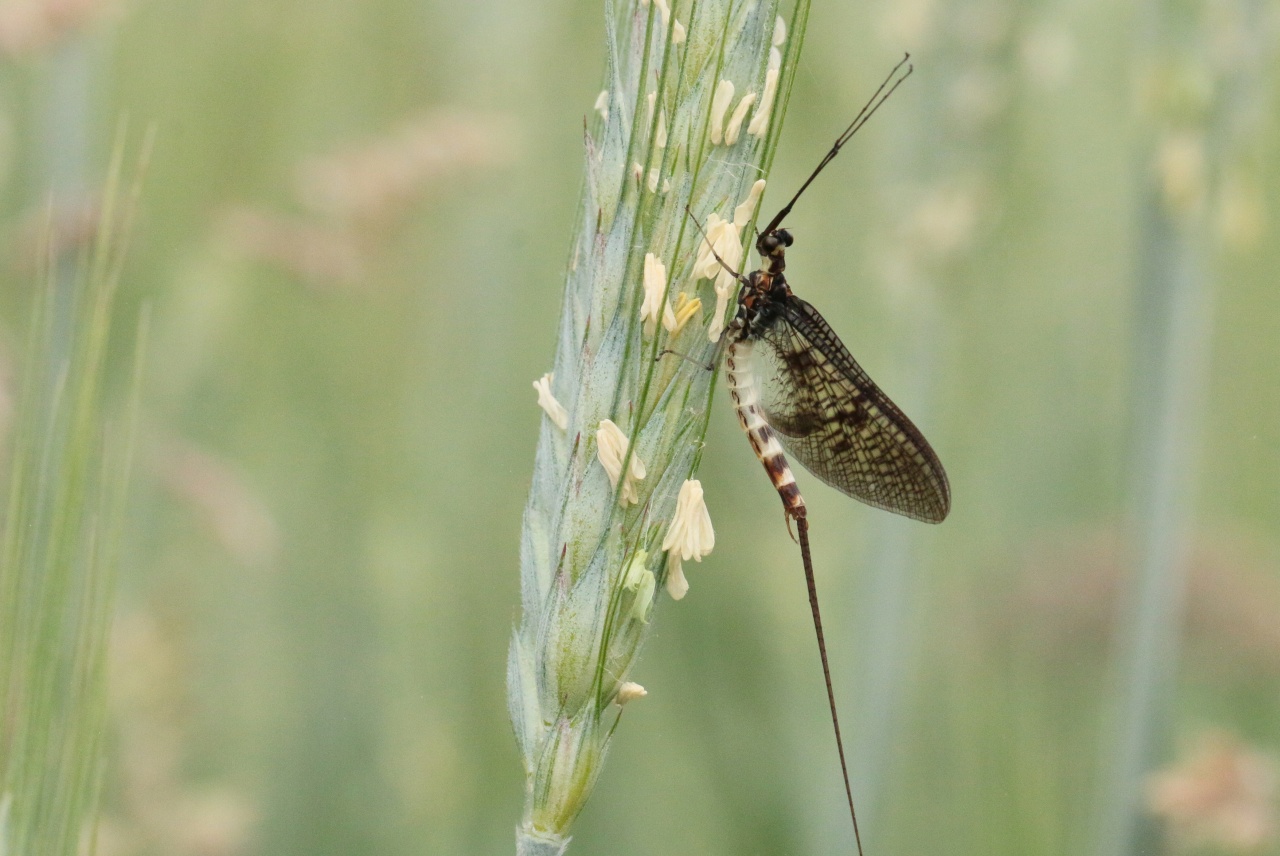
x: 796, y: 387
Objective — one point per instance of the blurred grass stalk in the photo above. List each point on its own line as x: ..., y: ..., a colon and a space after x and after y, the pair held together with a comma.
x: 934, y: 188
x: 68, y: 471
x: 1200, y: 84
x: 690, y: 116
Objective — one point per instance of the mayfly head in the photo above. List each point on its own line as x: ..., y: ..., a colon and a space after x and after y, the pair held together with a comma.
x: 774, y: 243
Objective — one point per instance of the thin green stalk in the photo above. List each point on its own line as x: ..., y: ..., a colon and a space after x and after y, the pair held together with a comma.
x: 954, y: 165
x: 1201, y: 104
x: 614, y: 509
x: 63, y: 523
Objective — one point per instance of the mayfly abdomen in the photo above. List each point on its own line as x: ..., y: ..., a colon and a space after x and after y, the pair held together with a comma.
x: 740, y: 373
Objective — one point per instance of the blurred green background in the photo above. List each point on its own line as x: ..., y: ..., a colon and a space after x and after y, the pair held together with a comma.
x: 1055, y: 248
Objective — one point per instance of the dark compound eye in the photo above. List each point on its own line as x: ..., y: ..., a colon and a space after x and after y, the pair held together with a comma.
x: 784, y: 236
x: 768, y: 243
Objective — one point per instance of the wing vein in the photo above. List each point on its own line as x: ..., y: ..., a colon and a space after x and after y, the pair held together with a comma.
x: 831, y: 417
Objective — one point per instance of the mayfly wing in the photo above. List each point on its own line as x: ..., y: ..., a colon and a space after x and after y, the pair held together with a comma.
x: 832, y: 417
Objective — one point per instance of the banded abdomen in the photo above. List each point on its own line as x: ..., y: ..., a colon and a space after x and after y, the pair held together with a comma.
x: 740, y: 373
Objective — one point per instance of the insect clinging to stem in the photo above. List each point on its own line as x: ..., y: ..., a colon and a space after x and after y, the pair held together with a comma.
x: 798, y: 391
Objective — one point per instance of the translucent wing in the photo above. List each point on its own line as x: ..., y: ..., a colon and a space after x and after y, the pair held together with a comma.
x: 833, y: 418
